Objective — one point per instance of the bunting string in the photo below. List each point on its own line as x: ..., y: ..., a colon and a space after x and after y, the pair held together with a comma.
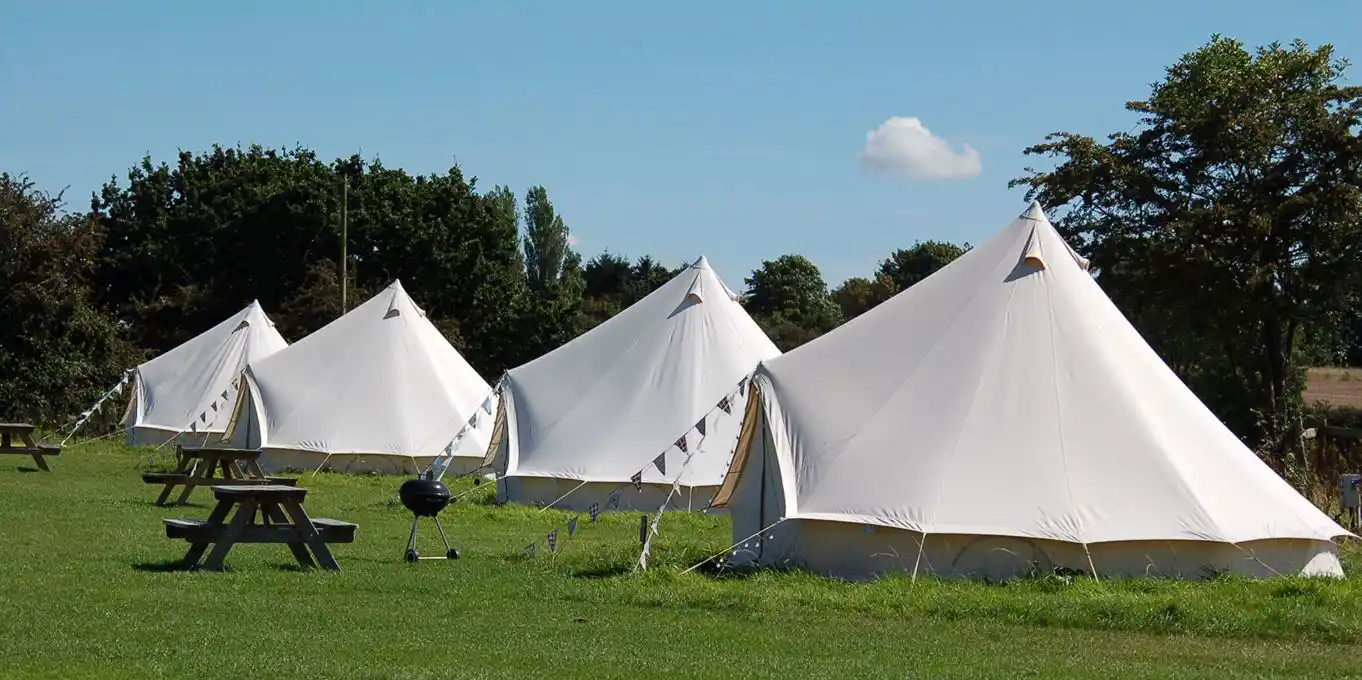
x: 85, y: 415
x: 554, y: 539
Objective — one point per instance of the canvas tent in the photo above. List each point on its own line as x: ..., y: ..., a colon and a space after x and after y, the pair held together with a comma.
x: 190, y: 388
x: 579, y: 421
x: 999, y: 417
x: 379, y: 389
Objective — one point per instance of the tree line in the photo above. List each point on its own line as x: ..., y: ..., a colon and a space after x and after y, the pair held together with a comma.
x: 1227, y: 226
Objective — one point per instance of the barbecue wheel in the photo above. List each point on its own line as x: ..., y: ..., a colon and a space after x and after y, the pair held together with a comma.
x: 453, y: 554
x: 412, y: 556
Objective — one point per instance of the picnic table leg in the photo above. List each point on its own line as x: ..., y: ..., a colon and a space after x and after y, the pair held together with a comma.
x: 202, y: 470
x: 309, y: 534
x: 216, y: 517
x: 27, y: 438
x: 274, y: 514
x: 253, y: 469
x: 181, y: 467
x: 243, y: 517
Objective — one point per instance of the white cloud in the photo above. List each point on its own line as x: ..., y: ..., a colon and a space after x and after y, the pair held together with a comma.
x: 903, y: 146
x: 572, y: 240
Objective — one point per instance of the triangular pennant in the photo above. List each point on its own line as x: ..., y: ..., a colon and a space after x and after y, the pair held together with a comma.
x: 661, y: 462
x: 726, y: 406
x: 194, y: 427
x: 118, y: 389
x: 614, y: 502
x: 224, y: 395
x: 487, y: 405
x: 572, y: 526
x: 203, y: 416
x: 473, y: 422
x: 214, y: 406
x: 700, y: 426
x: 681, y: 443
x: 637, y: 479
x: 594, y: 511
x: 742, y: 386
x: 86, y: 414
x: 553, y: 541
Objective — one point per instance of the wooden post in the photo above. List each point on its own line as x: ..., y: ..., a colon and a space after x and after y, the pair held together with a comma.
x: 643, y: 529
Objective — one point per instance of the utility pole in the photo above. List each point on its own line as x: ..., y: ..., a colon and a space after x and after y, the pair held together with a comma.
x: 345, y: 239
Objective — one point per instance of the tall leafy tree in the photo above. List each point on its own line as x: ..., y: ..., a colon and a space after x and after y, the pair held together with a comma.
x: 546, y: 240
x: 788, y: 297
x: 857, y: 295
x: 905, y: 267
x: 58, y: 349
x: 1227, y: 221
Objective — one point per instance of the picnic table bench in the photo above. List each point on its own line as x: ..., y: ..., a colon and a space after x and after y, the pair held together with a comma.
x: 27, y: 445
x: 201, y: 467
x: 283, y: 520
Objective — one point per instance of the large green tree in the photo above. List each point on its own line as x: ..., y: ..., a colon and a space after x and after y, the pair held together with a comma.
x: 788, y: 297
x: 906, y: 266
x: 1228, y: 222
x: 58, y: 349
x: 189, y: 244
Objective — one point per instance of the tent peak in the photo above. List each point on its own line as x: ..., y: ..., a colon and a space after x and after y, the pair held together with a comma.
x: 1034, y: 212
x: 702, y: 263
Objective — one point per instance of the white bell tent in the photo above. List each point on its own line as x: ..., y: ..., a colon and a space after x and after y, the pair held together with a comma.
x: 1002, y: 417
x: 190, y: 389
x: 379, y: 389
x: 580, y: 421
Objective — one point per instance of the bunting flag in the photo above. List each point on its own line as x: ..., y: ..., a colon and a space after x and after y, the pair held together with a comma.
x: 572, y: 526
x: 86, y: 414
x: 118, y: 389
x: 614, y: 502
x: 194, y: 427
x: 637, y: 479
x: 224, y: 395
x: 487, y: 405
x: 742, y: 386
x: 700, y: 427
x: 553, y: 541
x: 726, y: 406
x: 473, y: 422
x: 681, y: 443
x: 530, y: 550
x: 594, y: 511
x: 661, y: 462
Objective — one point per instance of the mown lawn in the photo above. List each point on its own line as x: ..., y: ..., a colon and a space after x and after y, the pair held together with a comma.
x: 86, y: 592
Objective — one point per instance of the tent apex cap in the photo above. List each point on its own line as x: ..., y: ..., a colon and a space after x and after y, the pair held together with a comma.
x: 1034, y: 212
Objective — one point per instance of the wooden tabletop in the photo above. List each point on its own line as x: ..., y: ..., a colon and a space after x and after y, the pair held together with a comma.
x: 262, y: 491
x: 16, y: 427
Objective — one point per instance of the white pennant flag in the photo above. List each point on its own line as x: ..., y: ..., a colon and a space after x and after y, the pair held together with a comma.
x: 86, y: 414
x: 118, y: 389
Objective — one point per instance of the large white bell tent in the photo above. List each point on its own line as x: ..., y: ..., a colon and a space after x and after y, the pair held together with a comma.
x: 190, y: 389
x: 377, y: 390
x: 653, y: 391
x: 998, y: 418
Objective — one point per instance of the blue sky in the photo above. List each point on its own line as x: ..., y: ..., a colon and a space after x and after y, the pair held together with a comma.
x: 732, y: 129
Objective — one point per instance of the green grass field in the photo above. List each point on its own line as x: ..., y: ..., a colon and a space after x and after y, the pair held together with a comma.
x: 87, y: 591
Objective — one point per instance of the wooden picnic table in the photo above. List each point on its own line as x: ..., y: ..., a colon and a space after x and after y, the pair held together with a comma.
x: 28, y: 445
x: 201, y: 467
x: 283, y: 520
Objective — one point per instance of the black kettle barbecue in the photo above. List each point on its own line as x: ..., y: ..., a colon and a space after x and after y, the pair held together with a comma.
x: 426, y: 496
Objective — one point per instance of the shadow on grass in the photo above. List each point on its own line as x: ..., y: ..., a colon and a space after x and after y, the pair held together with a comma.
x: 28, y: 469
x: 163, y: 567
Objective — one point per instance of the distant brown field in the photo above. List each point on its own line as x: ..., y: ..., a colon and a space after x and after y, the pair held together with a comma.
x: 1338, y: 386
